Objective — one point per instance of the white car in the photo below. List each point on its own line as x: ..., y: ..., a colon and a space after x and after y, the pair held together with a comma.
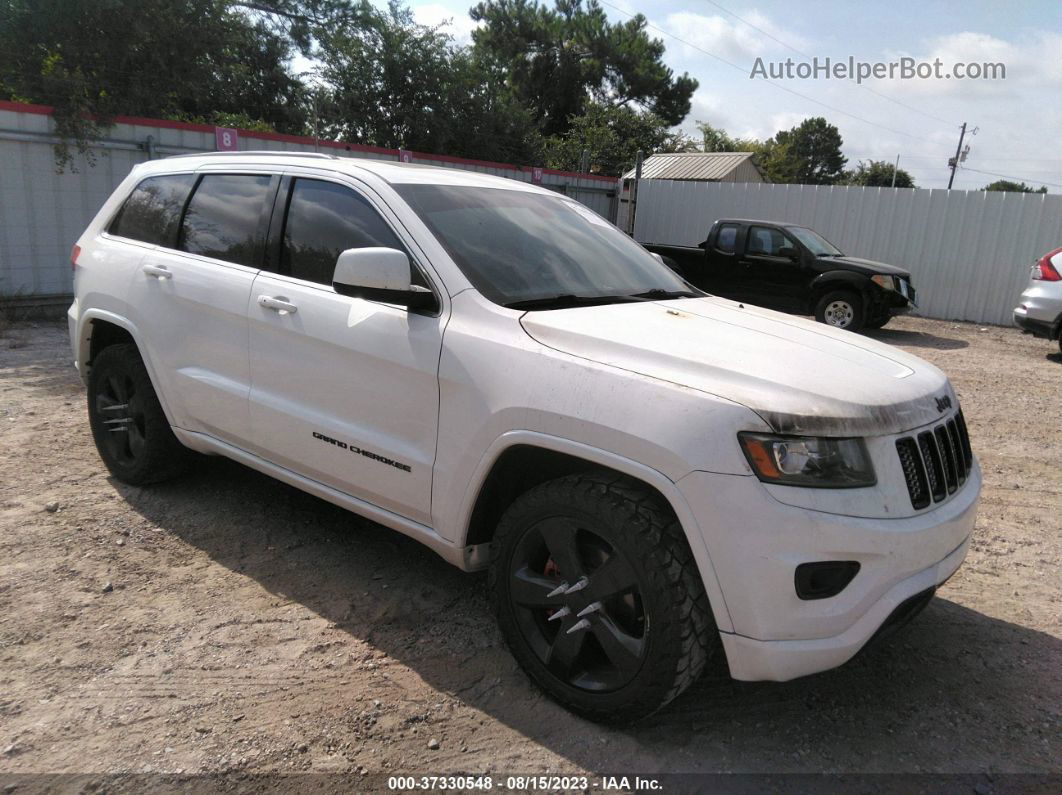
x: 648, y: 473
x: 1040, y: 310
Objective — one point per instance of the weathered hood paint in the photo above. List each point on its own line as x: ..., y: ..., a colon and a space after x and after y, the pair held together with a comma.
x: 867, y: 266
x: 799, y: 376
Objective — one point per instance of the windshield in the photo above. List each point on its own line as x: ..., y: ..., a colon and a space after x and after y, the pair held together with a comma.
x: 518, y: 247
x: 814, y: 242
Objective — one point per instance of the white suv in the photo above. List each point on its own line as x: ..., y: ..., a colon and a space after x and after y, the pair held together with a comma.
x: 648, y: 473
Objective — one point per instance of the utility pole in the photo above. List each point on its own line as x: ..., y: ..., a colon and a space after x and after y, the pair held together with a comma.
x: 632, y: 198
x: 954, y: 162
x: 894, y: 170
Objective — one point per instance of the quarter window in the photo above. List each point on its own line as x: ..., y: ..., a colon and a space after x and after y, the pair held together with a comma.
x: 224, y: 217
x: 152, y: 212
x: 324, y: 219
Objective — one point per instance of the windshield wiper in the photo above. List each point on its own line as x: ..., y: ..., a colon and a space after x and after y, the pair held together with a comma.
x: 565, y: 300
x: 657, y: 294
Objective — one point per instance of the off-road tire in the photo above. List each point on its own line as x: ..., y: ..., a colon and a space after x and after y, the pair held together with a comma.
x: 159, y: 455
x: 680, y: 632
x: 854, y: 300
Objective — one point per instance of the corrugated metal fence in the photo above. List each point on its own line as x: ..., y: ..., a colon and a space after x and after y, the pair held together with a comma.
x: 42, y: 213
x: 969, y: 252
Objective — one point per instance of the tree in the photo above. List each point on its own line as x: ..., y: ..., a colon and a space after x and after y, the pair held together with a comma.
x: 94, y: 59
x: 877, y: 173
x: 394, y: 83
x: 555, y: 62
x: 808, y: 154
x: 1013, y: 187
x: 612, y: 136
x: 716, y: 139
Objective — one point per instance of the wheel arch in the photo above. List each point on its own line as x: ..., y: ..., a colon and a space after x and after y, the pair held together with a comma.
x: 839, y: 280
x: 99, y: 329
x: 520, y: 460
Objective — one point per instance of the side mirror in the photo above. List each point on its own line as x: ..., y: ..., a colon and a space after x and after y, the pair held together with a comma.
x: 788, y: 251
x: 657, y: 257
x: 380, y: 274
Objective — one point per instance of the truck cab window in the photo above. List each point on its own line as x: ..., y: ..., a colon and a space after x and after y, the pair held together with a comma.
x: 766, y: 242
x: 727, y: 238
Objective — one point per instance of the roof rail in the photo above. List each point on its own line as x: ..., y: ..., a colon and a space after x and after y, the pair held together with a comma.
x: 273, y: 152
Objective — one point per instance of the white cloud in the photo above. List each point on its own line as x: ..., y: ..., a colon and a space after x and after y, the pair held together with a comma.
x: 729, y: 37
x: 1027, y: 65
x: 458, y: 25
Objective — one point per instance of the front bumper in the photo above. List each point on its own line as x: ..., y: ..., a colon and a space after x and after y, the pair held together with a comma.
x: 756, y: 542
x: 781, y: 660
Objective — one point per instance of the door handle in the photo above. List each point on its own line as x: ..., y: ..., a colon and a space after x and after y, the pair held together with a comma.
x: 158, y: 271
x: 277, y: 304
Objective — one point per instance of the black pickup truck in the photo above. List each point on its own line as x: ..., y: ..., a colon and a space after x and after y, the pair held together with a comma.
x: 793, y: 269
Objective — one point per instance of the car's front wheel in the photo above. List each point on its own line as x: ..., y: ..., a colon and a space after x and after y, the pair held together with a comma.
x: 598, y: 596
x: 841, y: 309
x: 128, y: 424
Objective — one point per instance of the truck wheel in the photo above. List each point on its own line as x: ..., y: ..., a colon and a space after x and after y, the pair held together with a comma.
x: 598, y: 596
x: 128, y: 425
x: 840, y: 309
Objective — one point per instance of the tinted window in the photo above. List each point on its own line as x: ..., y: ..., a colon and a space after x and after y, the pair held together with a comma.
x: 727, y: 238
x: 323, y: 220
x: 765, y: 240
x: 515, y: 245
x: 153, y: 210
x: 222, y: 220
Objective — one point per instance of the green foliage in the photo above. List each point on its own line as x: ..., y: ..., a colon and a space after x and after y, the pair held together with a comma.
x: 877, y: 173
x: 715, y: 139
x: 1013, y: 187
x: 95, y: 59
x: 394, y: 83
x: 611, y: 137
x: 808, y: 154
x: 556, y: 61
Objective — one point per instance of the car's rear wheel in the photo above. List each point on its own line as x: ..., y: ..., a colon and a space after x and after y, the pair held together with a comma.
x: 128, y: 424
x: 598, y: 596
x: 841, y: 309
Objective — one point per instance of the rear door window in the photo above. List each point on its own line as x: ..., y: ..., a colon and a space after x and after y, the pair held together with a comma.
x: 224, y: 219
x: 152, y: 213
x: 323, y: 220
x: 727, y: 238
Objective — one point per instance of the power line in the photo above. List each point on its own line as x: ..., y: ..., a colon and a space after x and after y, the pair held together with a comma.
x: 808, y: 55
x: 934, y: 157
x: 768, y: 82
x: 1014, y: 179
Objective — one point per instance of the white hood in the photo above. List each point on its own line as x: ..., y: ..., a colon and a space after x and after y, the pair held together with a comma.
x: 799, y: 376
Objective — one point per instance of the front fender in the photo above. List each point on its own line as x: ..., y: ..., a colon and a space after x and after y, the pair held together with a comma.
x: 605, y: 458
x: 835, y: 279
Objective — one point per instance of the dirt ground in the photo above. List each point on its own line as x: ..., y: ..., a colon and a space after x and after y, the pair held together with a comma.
x: 227, y: 623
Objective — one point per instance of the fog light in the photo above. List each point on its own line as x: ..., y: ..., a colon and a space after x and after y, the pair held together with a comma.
x: 824, y: 579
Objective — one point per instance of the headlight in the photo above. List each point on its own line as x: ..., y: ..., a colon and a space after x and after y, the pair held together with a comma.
x: 887, y: 282
x: 808, y: 461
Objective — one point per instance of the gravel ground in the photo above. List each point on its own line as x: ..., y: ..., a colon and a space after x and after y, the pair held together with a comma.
x: 229, y: 624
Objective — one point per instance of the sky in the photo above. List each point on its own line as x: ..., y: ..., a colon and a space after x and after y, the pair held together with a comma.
x: 1017, y: 119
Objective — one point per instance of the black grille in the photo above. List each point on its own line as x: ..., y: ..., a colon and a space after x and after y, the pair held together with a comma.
x: 937, y: 462
x: 913, y: 471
